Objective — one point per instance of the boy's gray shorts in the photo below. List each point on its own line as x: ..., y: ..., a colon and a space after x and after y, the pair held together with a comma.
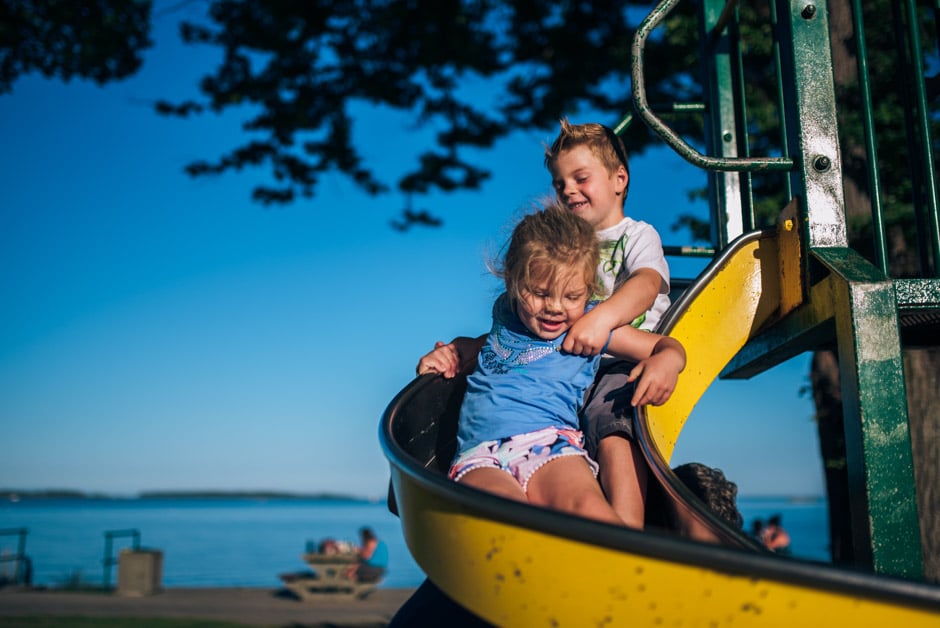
x: 607, y: 408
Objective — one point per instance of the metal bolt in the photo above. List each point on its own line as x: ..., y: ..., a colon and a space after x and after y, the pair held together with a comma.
x: 788, y: 224
x: 726, y: 136
x: 822, y: 163
x: 808, y: 12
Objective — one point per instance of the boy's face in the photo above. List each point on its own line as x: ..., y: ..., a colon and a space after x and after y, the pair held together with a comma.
x: 585, y: 186
x: 549, y: 308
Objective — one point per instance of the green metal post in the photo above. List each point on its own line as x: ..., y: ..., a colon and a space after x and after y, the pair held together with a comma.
x: 722, y: 130
x: 811, y: 119
x: 880, y: 468
x: 871, y: 142
x: 877, y: 439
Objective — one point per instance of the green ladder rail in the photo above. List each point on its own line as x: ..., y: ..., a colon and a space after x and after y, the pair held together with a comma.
x: 109, y: 559
x: 846, y: 302
x: 19, y: 559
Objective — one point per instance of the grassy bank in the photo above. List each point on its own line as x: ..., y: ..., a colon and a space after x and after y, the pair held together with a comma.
x: 46, y: 621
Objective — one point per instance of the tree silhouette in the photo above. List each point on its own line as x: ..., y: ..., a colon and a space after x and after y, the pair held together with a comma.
x: 101, y: 40
x: 471, y: 71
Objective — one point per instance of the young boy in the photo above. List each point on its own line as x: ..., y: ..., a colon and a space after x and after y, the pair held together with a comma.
x: 591, y: 177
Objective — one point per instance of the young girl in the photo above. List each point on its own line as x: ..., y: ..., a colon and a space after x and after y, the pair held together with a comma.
x: 518, y: 428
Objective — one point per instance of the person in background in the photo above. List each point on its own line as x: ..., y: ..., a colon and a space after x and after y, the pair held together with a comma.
x: 709, y: 485
x: 372, y: 558
x: 775, y: 537
x: 757, y: 529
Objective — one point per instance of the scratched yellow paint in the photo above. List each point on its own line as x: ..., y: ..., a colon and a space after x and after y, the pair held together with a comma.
x: 513, y: 576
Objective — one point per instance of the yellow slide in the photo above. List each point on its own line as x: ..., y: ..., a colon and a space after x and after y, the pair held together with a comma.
x: 516, y: 565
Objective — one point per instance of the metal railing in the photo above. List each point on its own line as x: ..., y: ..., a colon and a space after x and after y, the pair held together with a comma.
x: 728, y: 154
x: 19, y: 574
x: 109, y: 559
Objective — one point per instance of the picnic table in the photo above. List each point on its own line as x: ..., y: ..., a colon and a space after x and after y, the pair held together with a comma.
x: 327, y: 578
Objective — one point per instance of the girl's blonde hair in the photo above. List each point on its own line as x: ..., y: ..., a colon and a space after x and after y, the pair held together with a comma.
x: 547, y: 241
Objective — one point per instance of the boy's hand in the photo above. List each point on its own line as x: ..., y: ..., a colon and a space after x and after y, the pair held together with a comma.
x: 588, y: 335
x: 657, y: 376
x: 443, y: 359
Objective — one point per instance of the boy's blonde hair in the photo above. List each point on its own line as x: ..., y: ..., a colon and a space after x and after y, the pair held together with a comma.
x: 600, y: 140
x: 546, y: 241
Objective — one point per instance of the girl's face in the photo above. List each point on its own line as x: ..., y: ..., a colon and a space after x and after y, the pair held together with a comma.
x: 585, y: 186
x: 548, y: 308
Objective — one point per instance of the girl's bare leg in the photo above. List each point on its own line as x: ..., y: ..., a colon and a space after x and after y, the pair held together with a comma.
x: 623, y: 476
x: 494, y: 481
x: 567, y: 484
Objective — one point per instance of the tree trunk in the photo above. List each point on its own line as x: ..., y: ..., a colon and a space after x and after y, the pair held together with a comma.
x: 923, y: 407
x: 827, y: 395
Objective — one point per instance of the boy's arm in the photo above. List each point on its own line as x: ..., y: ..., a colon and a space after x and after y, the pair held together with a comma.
x: 632, y: 298
x: 447, y: 359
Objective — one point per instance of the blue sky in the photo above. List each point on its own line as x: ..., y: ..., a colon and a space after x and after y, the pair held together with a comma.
x: 161, y: 332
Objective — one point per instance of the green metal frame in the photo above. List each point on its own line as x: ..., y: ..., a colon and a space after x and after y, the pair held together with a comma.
x: 882, y: 496
x: 728, y: 191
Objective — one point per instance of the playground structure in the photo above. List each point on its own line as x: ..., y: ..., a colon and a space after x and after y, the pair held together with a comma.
x: 768, y: 295
x: 832, y: 297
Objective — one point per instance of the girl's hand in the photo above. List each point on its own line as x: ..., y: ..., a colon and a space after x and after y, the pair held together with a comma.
x: 588, y: 335
x: 443, y: 359
x: 657, y: 377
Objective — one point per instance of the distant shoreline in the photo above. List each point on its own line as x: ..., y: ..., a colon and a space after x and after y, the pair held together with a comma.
x: 14, y: 495
x: 18, y: 495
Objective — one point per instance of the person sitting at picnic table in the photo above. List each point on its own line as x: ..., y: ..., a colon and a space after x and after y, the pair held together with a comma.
x: 775, y: 537
x: 372, y: 558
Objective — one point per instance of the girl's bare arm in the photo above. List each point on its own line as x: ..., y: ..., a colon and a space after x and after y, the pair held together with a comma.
x: 447, y: 359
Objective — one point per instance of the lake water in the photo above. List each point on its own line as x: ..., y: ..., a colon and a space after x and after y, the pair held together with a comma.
x: 806, y: 520
x: 247, y: 543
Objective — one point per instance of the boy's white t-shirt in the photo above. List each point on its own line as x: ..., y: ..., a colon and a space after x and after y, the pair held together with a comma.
x: 626, y: 247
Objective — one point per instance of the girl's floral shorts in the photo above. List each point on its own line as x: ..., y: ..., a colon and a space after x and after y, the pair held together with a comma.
x: 523, y: 454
